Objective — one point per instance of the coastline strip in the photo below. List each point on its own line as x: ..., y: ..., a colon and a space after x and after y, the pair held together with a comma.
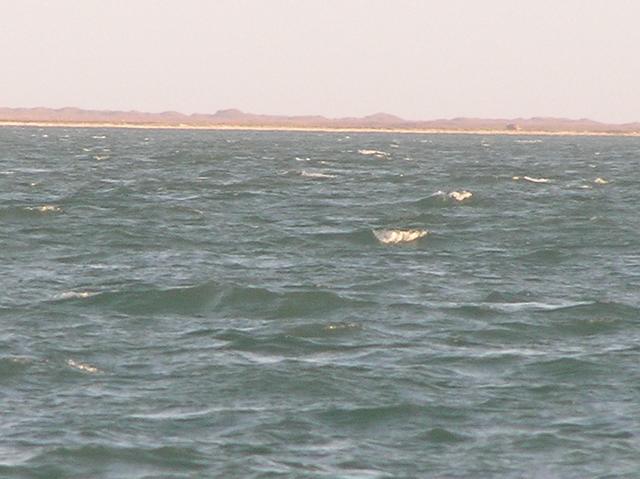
x: 319, y: 129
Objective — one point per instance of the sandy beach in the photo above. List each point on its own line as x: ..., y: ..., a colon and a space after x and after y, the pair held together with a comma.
x: 232, y: 127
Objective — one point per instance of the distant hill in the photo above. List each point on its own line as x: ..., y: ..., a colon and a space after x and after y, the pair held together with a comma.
x: 237, y: 118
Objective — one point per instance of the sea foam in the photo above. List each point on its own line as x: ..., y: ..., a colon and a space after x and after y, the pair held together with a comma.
x: 460, y: 195
x: 45, y: 208
x: 536, y: 180
x: 375, y: 153
x: 87, y: 368
x: 76, y: 294
x: 312, y: 174
x: 399, y: 236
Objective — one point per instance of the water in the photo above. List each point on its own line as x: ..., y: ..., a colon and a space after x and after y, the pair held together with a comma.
x: 217, y: 304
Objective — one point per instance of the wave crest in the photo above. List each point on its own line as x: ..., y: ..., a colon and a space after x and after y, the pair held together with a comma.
x: 219, y: 299
x: 531, y: 179
x: 460, y: 195
x: 399, y: 236
x: 314, y: 174
x: 375, y: 153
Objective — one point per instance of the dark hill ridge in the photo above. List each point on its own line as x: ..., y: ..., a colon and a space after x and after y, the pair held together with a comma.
x: 237, y: 118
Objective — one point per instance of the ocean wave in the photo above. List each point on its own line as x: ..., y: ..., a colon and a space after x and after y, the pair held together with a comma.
x: 375, y: 153
x: 460, y: 195
x: 312, y: 174
x: 573, y: 310
x: 395, y: 236
x: 76, y: 294
x: 441, y: 199
x: 490, y: 308
x: 304, y: 343
x: 361, y: 237
x: 220, y: 300
x: 29, y: 212
x: 320, y: 330
x: 597, y: 309
x: 84, y: 367
x: 531, y: 179
x: 45, y: 208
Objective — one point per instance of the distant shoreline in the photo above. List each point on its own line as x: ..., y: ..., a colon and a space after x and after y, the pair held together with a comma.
x: 319, y: 129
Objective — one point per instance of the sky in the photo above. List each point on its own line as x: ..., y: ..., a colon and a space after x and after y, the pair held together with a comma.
x: 418, y: 59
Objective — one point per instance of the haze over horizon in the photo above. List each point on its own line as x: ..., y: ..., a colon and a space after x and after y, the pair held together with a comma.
x: 417, y: 60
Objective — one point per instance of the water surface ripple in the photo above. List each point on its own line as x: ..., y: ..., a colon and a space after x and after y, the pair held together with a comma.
x: 251, y: 304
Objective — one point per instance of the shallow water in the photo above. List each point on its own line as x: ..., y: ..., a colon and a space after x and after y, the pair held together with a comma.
x: 221, y: 304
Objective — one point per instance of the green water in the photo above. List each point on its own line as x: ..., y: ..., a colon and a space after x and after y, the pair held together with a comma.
x: 180, y: 304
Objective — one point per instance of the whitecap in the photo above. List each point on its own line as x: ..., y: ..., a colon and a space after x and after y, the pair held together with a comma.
x: 536, y: 306
x: 302, y: 159
x: 261, y: 358
x: 333, y: 327
x: 399, y: 236
x: 600, y: 181
x: 460, y: 195
x: 535, y: 180
x: 170, y: 414
x: 375, y: 153
x: 99, y: 137
x: 82, y: 366
x: 45, y: 208
x: 100, y: 158
x: 312, y: 174
x: 76, y: 294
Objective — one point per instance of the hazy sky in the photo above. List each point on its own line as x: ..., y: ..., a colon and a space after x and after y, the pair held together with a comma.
x: 420, y: 59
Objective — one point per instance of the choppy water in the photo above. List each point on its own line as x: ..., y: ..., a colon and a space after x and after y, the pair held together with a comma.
x: 223, y: 304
